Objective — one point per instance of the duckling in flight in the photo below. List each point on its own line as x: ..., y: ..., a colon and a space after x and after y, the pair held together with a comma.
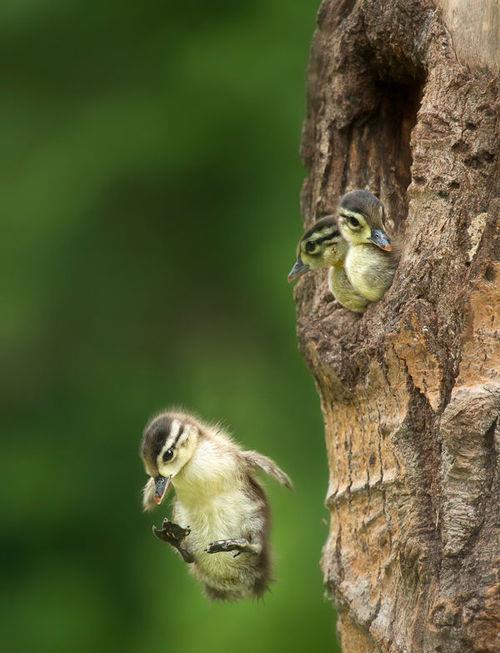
x: 221, y: 512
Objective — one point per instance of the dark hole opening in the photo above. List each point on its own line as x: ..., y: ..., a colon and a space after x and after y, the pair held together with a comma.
x: 379, y: 156
x: 395, y: 118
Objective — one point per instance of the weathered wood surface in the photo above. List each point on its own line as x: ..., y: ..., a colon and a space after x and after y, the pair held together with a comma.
x: 410, y: 391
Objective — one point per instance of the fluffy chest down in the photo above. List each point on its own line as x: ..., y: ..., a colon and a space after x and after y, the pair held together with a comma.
x: 369, y: 270
x: 341, y: 288
x: 227, y: 515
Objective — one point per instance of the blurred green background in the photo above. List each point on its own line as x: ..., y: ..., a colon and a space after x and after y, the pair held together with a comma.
x: 151, y: 177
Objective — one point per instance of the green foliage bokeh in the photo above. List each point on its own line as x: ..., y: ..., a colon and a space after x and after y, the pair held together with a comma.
x: 150, y: 207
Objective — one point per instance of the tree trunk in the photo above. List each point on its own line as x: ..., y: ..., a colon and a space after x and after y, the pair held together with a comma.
x: 402, y: 101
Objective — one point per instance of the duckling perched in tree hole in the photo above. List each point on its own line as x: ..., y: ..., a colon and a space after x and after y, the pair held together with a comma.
x: 369, y: 263
x: 221, y: 513
x: 322, y: 246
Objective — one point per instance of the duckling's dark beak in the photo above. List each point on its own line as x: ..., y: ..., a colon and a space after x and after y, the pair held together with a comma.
x: 381, y: 239
x: 161, y: 487
x: 298, y: 270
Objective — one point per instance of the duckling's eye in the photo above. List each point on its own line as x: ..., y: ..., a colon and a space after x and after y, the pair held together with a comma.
x: 310, y: 247
x: 168, y: 455
x: 354, y: 222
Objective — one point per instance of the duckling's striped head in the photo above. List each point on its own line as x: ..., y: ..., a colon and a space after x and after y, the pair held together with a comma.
x: 360, y: 217
x: 321, y: 246
x: 168, y: 443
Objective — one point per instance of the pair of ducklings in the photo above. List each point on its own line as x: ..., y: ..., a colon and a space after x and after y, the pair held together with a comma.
x: 355, y: 248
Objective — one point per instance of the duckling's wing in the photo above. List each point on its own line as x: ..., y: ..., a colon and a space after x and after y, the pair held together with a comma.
x: 257, y: 460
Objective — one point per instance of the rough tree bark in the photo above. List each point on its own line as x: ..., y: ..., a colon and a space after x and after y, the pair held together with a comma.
x: 402, y: 100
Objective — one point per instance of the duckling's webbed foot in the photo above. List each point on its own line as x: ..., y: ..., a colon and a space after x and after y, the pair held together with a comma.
x: 173, y: 534
x: 171, y: 530
x: 240, y: 545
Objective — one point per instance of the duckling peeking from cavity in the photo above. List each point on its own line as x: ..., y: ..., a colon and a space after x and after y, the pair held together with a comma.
x: 370, y: 263
x: 322, y: 246
x: 356, y: 249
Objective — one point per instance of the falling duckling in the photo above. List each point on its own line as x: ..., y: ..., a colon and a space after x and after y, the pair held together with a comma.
x: 221, y: 513
x: 322, y: 246
x: 370, y: 263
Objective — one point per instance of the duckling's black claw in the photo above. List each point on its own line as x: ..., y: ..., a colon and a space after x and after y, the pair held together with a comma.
x: 224, y: 546
x: 170, y: 532
x: 173, y: 534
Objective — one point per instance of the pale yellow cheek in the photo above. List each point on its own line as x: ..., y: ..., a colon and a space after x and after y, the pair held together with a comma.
x: 318, y: 262
x: 345, y: 231
x: 311, y: 261
x: 366, y: 234
x: 328, y: 257
x: 356, y: 237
